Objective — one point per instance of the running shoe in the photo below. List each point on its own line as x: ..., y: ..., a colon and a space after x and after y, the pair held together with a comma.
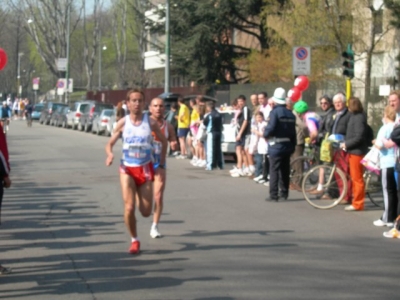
x: 233, y: 170
x: 258, y: 178
x: 135, y: 247
x: 238, y: 173
x: 392, y: 233
x: 201, y: 164
x: 194, y: 161
x: 154, y: 233
x: 262, y: 180
x: 381, y: 223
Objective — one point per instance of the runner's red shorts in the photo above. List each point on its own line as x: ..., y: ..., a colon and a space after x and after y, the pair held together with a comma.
x: 140, y: 174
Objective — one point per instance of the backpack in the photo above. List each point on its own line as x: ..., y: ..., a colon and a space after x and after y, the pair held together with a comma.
x: 369, y: 135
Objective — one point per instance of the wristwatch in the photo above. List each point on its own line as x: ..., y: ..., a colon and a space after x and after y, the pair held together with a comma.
x: 161, y: 166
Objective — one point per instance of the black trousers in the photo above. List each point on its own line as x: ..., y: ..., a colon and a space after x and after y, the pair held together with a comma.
x: 389, y: 189
x: 279, y: 176
x: 266, y: 167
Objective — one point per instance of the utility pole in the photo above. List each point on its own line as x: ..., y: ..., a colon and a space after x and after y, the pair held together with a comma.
x: 68, y: 40
x: 167, y: 48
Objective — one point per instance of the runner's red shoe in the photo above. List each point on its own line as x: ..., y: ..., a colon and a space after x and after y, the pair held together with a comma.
x: 135, y: 247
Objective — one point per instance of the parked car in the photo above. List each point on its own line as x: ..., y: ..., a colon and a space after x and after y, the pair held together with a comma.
x: 56, y: 114
x: 48, y: 110
x: 37, y: 111
x: 228, y: 141
x: 62, y: 118
x: 103, y: 122
x: 75, y: 112
x: 91, y: 111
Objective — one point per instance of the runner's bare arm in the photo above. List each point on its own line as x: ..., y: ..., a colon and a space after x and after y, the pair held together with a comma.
x: 161, y: 137
x: 114, y: 138
x: 172, y: 137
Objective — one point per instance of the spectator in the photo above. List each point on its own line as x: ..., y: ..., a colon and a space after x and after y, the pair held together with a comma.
x: 213, y: 123
x: 194, y: 127
x: 387, y: 163
x: 355, y: 145
x: 183, y: 126
x: 326, y: 118
x: 5, y: 181
x: 339, y: 128
x: 262, y: 148
x: 242, y: 138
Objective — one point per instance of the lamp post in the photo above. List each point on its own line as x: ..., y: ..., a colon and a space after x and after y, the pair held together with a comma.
x: 68, y: 40
x: 19, y: 74
x: 167, y: 48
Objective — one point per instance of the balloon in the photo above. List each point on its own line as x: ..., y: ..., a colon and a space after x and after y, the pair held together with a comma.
x: 294, y: 94
x: 3, y: 59
x: 302, y: 83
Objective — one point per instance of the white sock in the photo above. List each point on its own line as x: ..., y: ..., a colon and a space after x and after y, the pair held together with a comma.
x: 320, y: 187
x: 154, y: 225
x: 246, y: 170
x: 195, y: 158
x: 252, y: 168
x: 135, y: 239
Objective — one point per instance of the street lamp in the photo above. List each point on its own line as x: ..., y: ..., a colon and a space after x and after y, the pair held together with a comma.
x: 19, y: 74
x: 167, y: 48
x: 102, y: 49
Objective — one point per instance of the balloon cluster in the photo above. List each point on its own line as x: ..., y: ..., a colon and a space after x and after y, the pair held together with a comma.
x: 300, y: 85
x: 3, y: 59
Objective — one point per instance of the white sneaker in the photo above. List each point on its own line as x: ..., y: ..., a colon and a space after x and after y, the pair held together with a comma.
x: 181, y: 157
x: 154, y: 233
x: 266, y: 183
x: 262, y: 180
x: 201, y: 164
x: 392, y: 233
x: 379, y: 223
x: 194, y: 161
x: 258, y: 178
x: 234, y: 170
x: 238, y: 173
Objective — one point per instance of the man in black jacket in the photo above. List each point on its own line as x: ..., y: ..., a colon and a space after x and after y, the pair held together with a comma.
x: 281, y: 136
x: 213, y: 123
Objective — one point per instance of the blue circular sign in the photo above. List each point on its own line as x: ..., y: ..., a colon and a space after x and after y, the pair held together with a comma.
x: 301, y: 53
x: 60, y: 84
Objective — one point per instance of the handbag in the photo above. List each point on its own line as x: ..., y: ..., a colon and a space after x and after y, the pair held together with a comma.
x: 326, y: 152
x: 371, y: 160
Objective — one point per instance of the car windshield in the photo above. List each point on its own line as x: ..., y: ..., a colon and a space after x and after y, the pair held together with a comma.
x: 82, y: 107
x: 38, y: 108
x: 108, y: 113
x: 227, y: 117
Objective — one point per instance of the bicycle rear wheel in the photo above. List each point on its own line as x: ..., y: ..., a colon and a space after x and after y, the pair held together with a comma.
x: 373, y: 188
x: 334, y: 187
x: 303, y: 163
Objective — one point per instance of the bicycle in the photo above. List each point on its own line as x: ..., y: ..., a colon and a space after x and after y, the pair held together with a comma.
x: 304, y: 163
x: 336, y: 185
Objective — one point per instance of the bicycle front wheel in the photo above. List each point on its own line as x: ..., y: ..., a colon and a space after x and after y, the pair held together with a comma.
x: 373, y: 188
x: 334, y: 186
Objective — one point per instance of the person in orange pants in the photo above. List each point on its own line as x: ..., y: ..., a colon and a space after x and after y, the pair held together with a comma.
x: 355, y: 144
x: 356, y: 175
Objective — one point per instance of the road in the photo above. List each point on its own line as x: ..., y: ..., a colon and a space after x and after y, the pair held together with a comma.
x: 64, y: 236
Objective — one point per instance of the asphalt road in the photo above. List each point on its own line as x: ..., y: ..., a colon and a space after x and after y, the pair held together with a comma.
x: 64, y: 236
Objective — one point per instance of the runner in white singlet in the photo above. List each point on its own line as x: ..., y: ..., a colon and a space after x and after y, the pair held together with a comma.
x: 136, y: 170
x: 157, y: 111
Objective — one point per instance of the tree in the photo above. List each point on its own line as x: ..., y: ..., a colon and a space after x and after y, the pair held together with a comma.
x: 394, y: 7
x: 203, y: 35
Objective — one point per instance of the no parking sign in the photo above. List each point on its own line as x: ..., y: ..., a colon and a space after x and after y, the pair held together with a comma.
x: 301, y: 60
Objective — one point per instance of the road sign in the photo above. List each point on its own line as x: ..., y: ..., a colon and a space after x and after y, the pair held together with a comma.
x: 301, y: 60
x: 62, y: 85
x: 35, y: 83
x: 61, y: 64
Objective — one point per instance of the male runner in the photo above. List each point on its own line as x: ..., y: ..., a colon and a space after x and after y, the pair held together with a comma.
x: 157, y: 111
x: 136, y: 170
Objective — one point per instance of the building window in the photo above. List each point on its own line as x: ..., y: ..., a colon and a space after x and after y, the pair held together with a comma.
x: 378, y: 21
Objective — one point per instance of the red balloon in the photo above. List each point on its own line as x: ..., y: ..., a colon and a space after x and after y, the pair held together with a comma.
x: 3, y: 59
x: 294, y: 94
x: 302, y: 83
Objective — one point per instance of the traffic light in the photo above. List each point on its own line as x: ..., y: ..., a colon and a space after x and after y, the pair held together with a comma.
x: 348, y: 63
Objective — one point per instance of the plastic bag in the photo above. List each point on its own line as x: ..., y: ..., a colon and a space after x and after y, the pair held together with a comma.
x: 371, y: 161
x: 326, y: 152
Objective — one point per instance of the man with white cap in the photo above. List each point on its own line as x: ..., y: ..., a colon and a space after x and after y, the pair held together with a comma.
x: 281, y: 136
